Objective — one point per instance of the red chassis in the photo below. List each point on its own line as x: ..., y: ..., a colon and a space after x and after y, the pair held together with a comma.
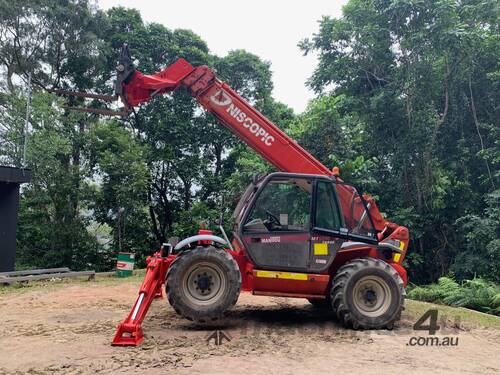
x: 129, y: 332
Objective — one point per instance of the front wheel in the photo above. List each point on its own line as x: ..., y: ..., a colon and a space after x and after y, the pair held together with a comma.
x: 202, y: 284
x: 368, y: 293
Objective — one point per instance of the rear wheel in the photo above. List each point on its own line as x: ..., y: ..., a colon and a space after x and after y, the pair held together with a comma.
x: 368, y: 293
x: 202, y: 284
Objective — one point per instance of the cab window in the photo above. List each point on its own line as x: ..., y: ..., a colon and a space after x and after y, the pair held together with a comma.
x: 282, y: 205
x: 327, y: 211
x: 358, y: 218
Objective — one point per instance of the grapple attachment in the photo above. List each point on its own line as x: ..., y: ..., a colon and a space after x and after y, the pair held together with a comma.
x: 124, y: 72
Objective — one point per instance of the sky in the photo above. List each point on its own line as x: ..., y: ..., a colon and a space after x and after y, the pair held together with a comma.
x: 270, y: 29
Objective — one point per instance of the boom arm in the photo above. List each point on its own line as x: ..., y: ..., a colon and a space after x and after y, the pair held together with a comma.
x: 234, y: 112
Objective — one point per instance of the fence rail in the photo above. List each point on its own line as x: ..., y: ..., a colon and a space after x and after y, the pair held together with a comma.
x: 43, y: 274
x: 34, y: 272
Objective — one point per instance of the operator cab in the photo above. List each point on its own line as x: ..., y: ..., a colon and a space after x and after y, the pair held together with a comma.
x: 298, y: 222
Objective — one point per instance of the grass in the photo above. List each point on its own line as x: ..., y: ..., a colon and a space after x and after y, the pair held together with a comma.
x: 470, y: 318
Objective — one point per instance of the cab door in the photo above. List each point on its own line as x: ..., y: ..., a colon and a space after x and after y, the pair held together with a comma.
x: 328, y: 223
x: 276, y: 228
x: 340, y: 222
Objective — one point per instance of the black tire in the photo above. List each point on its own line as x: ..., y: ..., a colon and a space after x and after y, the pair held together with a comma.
x: 354, y: 294
x: 202, y: 284
x: 324, y: 303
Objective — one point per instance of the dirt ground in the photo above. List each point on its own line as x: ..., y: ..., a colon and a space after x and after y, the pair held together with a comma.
x: 68, y: 329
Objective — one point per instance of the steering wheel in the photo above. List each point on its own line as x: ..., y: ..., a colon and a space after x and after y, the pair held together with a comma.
x: 273, y: 218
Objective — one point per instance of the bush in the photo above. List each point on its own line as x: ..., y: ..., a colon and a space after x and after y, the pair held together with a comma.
x: 477, y: 294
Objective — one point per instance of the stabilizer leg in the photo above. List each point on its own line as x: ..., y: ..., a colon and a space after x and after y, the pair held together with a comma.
x: 129, y: 332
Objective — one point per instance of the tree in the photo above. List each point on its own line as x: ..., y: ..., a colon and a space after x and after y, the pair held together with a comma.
x: 167, y: 126
x: 141, y: 179
x: 411, y: 74
x: 190, y: 155
x: 57, y: 44
x: 52, y: 230
x: 120, y: 198
x: 482, y: 242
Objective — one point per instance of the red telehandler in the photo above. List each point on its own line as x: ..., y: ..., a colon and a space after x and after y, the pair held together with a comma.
x: 301, y: 232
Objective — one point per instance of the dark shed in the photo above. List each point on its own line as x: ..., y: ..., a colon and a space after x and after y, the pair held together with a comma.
x: 10, y: 179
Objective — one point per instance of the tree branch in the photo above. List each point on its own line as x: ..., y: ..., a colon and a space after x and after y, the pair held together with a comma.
x: 476, y: 122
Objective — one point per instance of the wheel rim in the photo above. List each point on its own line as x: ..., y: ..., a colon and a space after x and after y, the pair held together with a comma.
x: 372, y: 296
x: 204, y: 283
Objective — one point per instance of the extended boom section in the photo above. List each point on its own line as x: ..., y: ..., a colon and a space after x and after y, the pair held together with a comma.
x: 245, y: 121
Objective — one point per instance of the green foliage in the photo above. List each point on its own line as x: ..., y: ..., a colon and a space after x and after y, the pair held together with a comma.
x: 444, y: 288
x: 482, y: 241
x: 190, y: 221
x: 247, y: 74
x: 409, y: 95
x: 120, y: 199
x: 476, y: 294
x: 52, y: 225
